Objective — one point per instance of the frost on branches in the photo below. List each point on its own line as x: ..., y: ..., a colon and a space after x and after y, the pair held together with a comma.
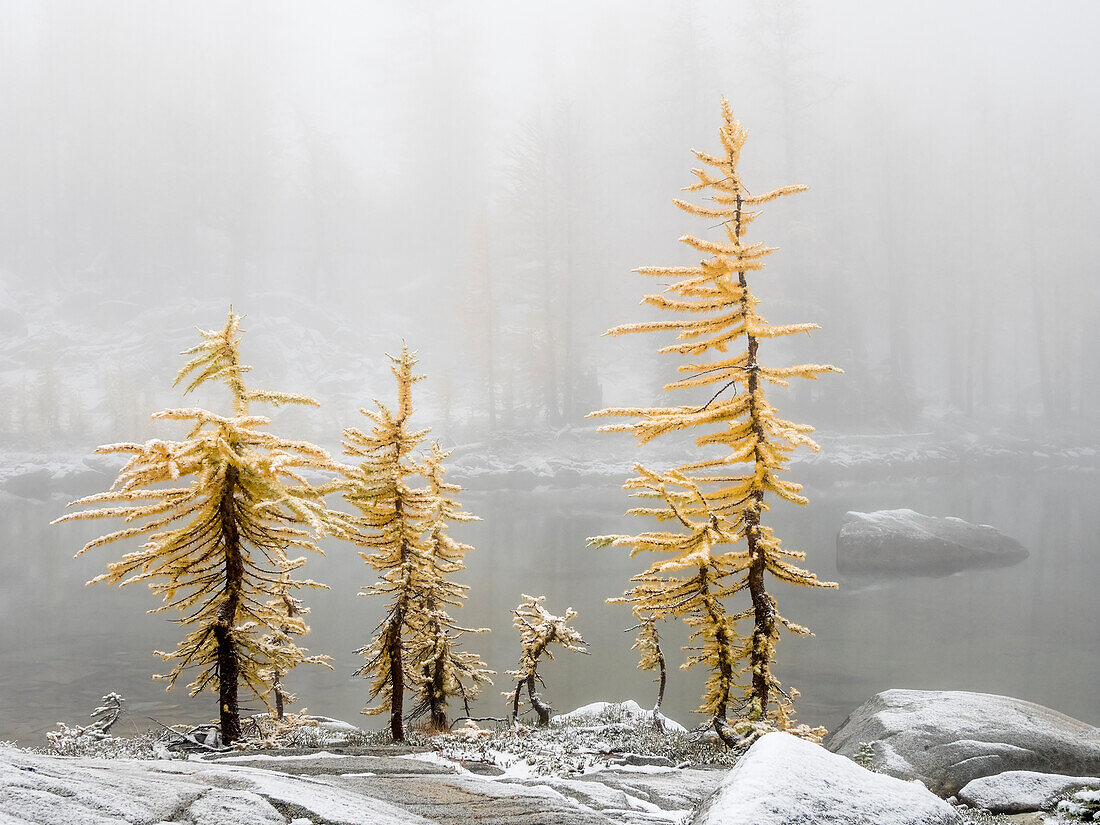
x: 651, y: 657
x: 289, y: 609
x: 717, y: 505
x: 443, y: 671
x: 216, y: 546
x: 538, y: 629
x: 405, y: 529
x: 67, y: 740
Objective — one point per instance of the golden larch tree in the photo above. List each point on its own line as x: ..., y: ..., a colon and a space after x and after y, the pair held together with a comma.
x: 651, y: 657
x: 719, y: 502
x: 692, y: 584
x: 538, y: 630
x: 393, y: 522
x: 220, y: 509
x: 290, y: 624
x: 443, y: 670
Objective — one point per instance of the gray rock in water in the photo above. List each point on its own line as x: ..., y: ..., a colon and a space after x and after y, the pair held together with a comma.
x: 904, y: 541
x: 1015, y: 792
x: 34, y: 483
x: 949, y: 738
x: 784, y: 780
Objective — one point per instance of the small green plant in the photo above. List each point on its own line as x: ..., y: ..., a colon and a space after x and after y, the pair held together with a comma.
x: 1083, y: 806
x: 865, y: 756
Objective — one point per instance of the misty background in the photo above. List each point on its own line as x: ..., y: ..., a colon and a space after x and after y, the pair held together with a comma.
x: 479, y: 179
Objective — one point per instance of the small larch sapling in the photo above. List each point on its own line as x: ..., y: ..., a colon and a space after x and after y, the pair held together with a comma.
x: 538, y: 630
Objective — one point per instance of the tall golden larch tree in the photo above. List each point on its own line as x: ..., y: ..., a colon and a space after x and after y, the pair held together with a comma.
x: 443, y: 670
x: 217, y: 545
x: 720, y: 502
x: 392, y: 522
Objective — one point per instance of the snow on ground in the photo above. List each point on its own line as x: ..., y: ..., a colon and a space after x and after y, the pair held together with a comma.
x: 784, y: 780
x: 433, y: 758
x: 320, y: 796
x: 781, y: 780
x: 633, y: 769
x: 64, y: 791
x: 627, y: 711
x: 948, y: 738
x: 593, y: 738
x: 46, y: 790
x: 268, y: 757
x: 1019, y: 791
x: 380, y: 788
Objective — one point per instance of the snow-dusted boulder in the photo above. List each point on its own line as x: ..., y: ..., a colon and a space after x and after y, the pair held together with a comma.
x: 609, y: 713
x: 334, y: 725
x: 1014, y: 792
x: 30, y: 483
x: 784, y: 780
x: 904, y: 541
x: 948, y: 738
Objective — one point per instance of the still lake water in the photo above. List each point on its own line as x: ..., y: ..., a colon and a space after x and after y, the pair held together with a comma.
x: 1030, y: 631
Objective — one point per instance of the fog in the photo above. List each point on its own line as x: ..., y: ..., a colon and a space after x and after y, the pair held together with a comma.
x: 479, y: 179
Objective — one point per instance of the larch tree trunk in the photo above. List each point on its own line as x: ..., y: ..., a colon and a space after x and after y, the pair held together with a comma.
x: 397, y: 679
x: 438, y: 712
x: 280, y: 709
x: 763, y: 613
x: 228, y: 661
x: 542, y: 709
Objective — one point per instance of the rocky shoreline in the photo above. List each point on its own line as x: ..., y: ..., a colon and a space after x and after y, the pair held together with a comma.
x: 580, y: 456
x: 903, y: 758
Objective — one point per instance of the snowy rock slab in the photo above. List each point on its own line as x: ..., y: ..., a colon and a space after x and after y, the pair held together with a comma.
x: 908, y: 542
x: 50, y: 790
x: 46, y: 790
x: 949, y: 738
x: 1014, y: 792
x: 784, y: 780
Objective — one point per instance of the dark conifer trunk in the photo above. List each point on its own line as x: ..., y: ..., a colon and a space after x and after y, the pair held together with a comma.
x: 397, y: 671
x: 543, y: 710
x: 434, y: 673
x: 762, y: 607
x: 663, y: 678
x: 764, y: 623
x: 228, y: 657
x: 280, y: 710
x: 436, y: 699
x: 397, y: 679
x: 515, y: 700
x: 724, y: 644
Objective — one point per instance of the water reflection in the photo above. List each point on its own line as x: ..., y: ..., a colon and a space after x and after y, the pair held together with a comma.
x: 1026, y: 631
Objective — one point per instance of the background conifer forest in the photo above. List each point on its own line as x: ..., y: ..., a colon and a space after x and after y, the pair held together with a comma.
x: 467, y: 187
